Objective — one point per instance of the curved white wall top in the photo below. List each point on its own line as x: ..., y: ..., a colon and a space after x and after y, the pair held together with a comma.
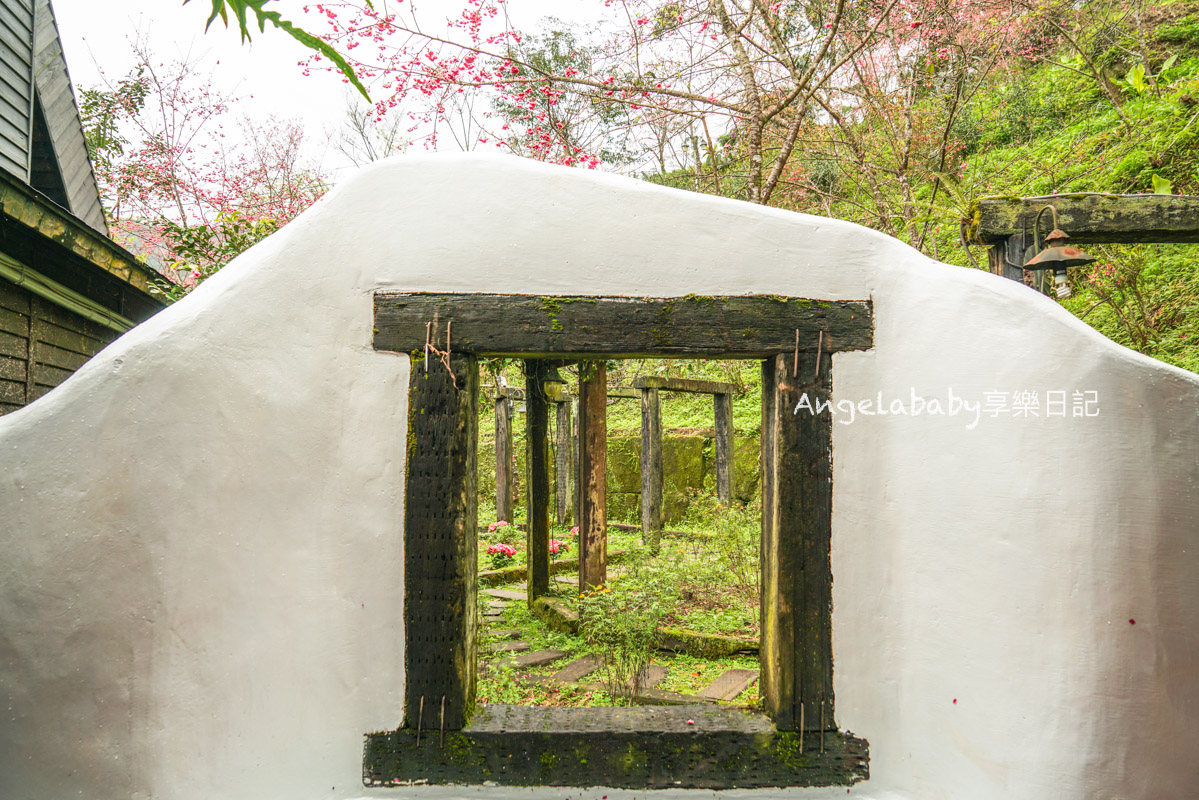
x: 201, y: 540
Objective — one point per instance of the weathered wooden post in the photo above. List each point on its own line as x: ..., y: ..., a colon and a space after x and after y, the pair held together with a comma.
x: 593, y: 474
x: 651, y: 467
x: 1005, y: 258
x: 564, y: 461
x: 576, y: 465
x: 537, y: 461
x: 797, y: 491
x: 503, y: 454
x: 440, y: 518
x: 723, y: 405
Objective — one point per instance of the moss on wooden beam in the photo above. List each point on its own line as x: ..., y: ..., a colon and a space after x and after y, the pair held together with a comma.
x: 661, y: 747
x: 1089, y: 217
x: 532, y: 326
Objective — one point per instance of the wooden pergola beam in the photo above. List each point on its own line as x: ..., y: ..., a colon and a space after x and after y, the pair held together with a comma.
x: 684, y: 385
x: 585, y: 327
x: 1127, y: 218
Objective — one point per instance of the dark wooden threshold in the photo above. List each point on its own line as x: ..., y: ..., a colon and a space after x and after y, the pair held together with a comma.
x: 659, y: 747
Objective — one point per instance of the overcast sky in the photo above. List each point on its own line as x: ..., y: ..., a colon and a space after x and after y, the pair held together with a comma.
x: 95, y: 35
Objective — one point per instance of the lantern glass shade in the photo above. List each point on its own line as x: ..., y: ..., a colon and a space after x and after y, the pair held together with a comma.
x: 1058, y: 255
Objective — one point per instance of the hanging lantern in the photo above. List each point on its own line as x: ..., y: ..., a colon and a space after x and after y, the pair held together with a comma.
x: 554, y: 383
x: 1056, y: 255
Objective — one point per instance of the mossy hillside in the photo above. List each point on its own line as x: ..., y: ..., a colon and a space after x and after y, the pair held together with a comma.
x: 1046, y: 130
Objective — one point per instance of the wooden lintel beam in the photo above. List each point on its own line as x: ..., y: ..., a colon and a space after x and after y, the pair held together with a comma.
x: 686, y: 384
x: 532, y: 326
x: 1090, y: 218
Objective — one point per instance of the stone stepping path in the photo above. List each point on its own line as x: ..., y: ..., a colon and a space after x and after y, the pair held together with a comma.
x: 652, y: 675
x: 538, y: 657
x: 509, y: 647
x: 505, y: 634
x: 505, y: 594
x: 493, y: 614
x: 579, y: 668
x: 730, y: 684
x: 566, y: 579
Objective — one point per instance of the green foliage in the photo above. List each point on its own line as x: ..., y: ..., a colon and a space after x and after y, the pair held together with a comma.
x: 1145, y: 297
x: 1182, y: 32
x: 200, y: 250
x: 622, y: 622
x: 730, y: 557
x: 572, y: 121
x: 101, y: 112
x: 239, y: 9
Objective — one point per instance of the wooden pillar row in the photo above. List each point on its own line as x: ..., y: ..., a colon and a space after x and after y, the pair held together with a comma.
x: 576, y: 473
x: 537, y: 465
x: 651, y: 467
x: 564, y: 462
x: 723, y: 406
x: 503, y: 455
x: 593, y: 474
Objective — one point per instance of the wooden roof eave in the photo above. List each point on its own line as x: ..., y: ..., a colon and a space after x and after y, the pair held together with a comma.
x: 36, y: 215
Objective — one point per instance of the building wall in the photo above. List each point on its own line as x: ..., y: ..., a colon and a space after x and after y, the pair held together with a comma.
x: 16, y: 84
x: 41, y: 345
x: 201, y: 548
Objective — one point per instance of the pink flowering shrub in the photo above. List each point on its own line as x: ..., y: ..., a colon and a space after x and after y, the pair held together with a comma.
x: 495, y: 526
x: 557, y: 545
x: 501, y: 554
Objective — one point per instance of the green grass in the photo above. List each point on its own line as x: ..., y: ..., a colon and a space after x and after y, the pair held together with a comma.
x: 709, y: 581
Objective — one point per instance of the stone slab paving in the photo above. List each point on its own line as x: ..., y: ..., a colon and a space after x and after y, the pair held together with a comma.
x: 730, y: 684
x: 505, y: 594
x: 579, y: 668
x: 509, y: 647
x: 652, y: 675
x: 538, y: 657
x: 512, y: 633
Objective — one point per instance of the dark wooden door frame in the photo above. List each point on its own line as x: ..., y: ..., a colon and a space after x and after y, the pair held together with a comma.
x: 445, y: 334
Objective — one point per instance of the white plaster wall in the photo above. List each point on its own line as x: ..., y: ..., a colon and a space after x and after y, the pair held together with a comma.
x: 201, y: 540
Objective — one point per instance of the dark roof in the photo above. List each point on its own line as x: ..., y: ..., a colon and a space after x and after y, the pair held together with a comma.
x: 41, y: 136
